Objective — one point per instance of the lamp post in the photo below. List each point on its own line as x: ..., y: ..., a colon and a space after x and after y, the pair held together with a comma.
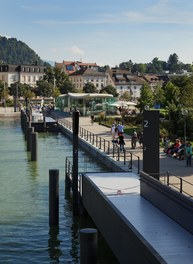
x: 185, y: 113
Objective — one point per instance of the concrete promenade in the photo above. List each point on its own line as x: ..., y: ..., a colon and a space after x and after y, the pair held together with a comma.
x: 175, y: 167
x: 8, y: 112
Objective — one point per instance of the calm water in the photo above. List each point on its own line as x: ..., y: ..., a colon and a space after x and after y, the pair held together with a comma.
x: 25, y: 236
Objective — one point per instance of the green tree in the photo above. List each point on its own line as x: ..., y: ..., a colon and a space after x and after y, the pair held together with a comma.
x: 126, y: 65
x: 158, y: 95
x: 67, y: 87
x: 45, y: 88
x: 126, y: 96
x: 173, y: 63
x: 89, y: 88
x: 146, y: 98
x: 109, y: 89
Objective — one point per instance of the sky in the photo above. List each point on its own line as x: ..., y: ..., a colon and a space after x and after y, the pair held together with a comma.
x: 106, y: 32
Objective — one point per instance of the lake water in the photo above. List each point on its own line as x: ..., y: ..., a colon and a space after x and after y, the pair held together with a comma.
x: 25, y: 235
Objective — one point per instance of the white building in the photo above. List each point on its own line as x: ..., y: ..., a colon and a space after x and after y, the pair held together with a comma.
x: 25, y: 74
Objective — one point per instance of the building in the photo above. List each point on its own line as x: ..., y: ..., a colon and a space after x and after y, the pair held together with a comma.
x: 69, y: 67
x: 24, y: 74
x: 84, y: 102
x: 86, y: 75
x: 124, y: 81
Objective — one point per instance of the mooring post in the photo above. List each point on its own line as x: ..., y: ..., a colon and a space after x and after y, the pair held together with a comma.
x: 88, y: 246
x: 53, y: 197
x: 34, y: 146
x: 75, y: 163
x: 30, y: 130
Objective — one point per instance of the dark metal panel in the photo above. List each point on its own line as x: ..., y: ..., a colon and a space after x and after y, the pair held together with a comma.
x: 151, y: 143
x: 125, y: 241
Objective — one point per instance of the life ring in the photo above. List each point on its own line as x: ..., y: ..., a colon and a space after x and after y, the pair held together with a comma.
x: 119, y: 192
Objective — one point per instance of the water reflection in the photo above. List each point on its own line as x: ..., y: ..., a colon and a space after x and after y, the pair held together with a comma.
x: 54, y: 244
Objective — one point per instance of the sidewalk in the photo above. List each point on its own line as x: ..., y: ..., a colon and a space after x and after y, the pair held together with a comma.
x: 175, y: 167
x: 8, y: 112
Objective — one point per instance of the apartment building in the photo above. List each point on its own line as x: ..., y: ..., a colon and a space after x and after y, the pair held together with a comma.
x: 124, y: 81
x: 85, y: 75
x: 69, y: 67
x: 25, y: 74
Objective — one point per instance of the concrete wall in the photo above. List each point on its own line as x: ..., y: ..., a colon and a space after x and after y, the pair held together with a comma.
x: 124, y: 240
x: 174, y: 204
x: 99, y: 154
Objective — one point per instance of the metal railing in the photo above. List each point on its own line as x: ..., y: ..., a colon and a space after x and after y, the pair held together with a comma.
x: 108, y: 147
x: 178, y: 183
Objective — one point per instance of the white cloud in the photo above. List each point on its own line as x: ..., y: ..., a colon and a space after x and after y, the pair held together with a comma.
x: 76, y: 50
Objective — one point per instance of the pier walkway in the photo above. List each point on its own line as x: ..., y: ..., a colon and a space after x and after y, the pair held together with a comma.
x: 175, y: 167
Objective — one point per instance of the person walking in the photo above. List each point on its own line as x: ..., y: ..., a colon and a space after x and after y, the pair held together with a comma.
x: 134, y: 139
x: 188, y: 154
x: 121, y: 142
x: 113, y: 131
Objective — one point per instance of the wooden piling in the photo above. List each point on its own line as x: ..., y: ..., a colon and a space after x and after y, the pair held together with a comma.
x: 53, y: 197
x: 88, y: 246
x: 34, y: 146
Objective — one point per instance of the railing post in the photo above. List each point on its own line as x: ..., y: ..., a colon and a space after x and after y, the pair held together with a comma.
x: 108, y: 151
x: 104, y: 144
x: 93, y: 139
x: 113, y: 150
x: 130, y: 164
x: 124, y: 157
x: 181, y: 185
x: 90, y: 137
x: 100, y: 143
x: 138, y: 164
x: 168, y: 181
x: 87, y: 135
x: 118, y: 154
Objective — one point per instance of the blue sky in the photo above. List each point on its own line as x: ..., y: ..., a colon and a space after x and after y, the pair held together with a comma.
x: 102, y: 31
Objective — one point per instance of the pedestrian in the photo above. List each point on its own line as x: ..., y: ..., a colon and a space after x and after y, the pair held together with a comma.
x: 120, y: 128
x: 121, y: 142
x: 113, y: 131
x: 188, y: 154
x: 140, y: 137
x: 134, y: 139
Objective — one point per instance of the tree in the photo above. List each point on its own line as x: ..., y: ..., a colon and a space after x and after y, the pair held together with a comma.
x: 126, y: 96
x: 45, y: 88
x: 126, y: 65
x: 173, y: 63
x: 67, y: 87
x: 90, y: 88
x: 158, y: 96
x: 109, y: 89
x: 146, y: 98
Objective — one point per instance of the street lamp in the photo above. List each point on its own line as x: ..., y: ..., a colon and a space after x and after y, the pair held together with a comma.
x: 185, y: 113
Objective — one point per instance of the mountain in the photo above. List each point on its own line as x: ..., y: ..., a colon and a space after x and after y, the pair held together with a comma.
x: 13, y: 51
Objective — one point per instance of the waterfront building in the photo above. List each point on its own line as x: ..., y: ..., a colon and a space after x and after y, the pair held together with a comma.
x: 19, y: 73
x: 84, y: 102
x: 69, y: 67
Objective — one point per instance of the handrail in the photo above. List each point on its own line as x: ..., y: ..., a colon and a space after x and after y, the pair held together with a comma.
x: 107, y: 146
x: 177, y: 183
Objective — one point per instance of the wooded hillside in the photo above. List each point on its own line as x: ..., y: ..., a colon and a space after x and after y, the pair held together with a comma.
x: 13, y: 51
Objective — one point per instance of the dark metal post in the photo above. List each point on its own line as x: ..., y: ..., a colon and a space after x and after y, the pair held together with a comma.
x: 151, y: 143
x: 16, y: 98
x: 34, y: 146
x: 30, y: 130
x: 88, y: 246
x: 75, y: 163
x: 53, y: 197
